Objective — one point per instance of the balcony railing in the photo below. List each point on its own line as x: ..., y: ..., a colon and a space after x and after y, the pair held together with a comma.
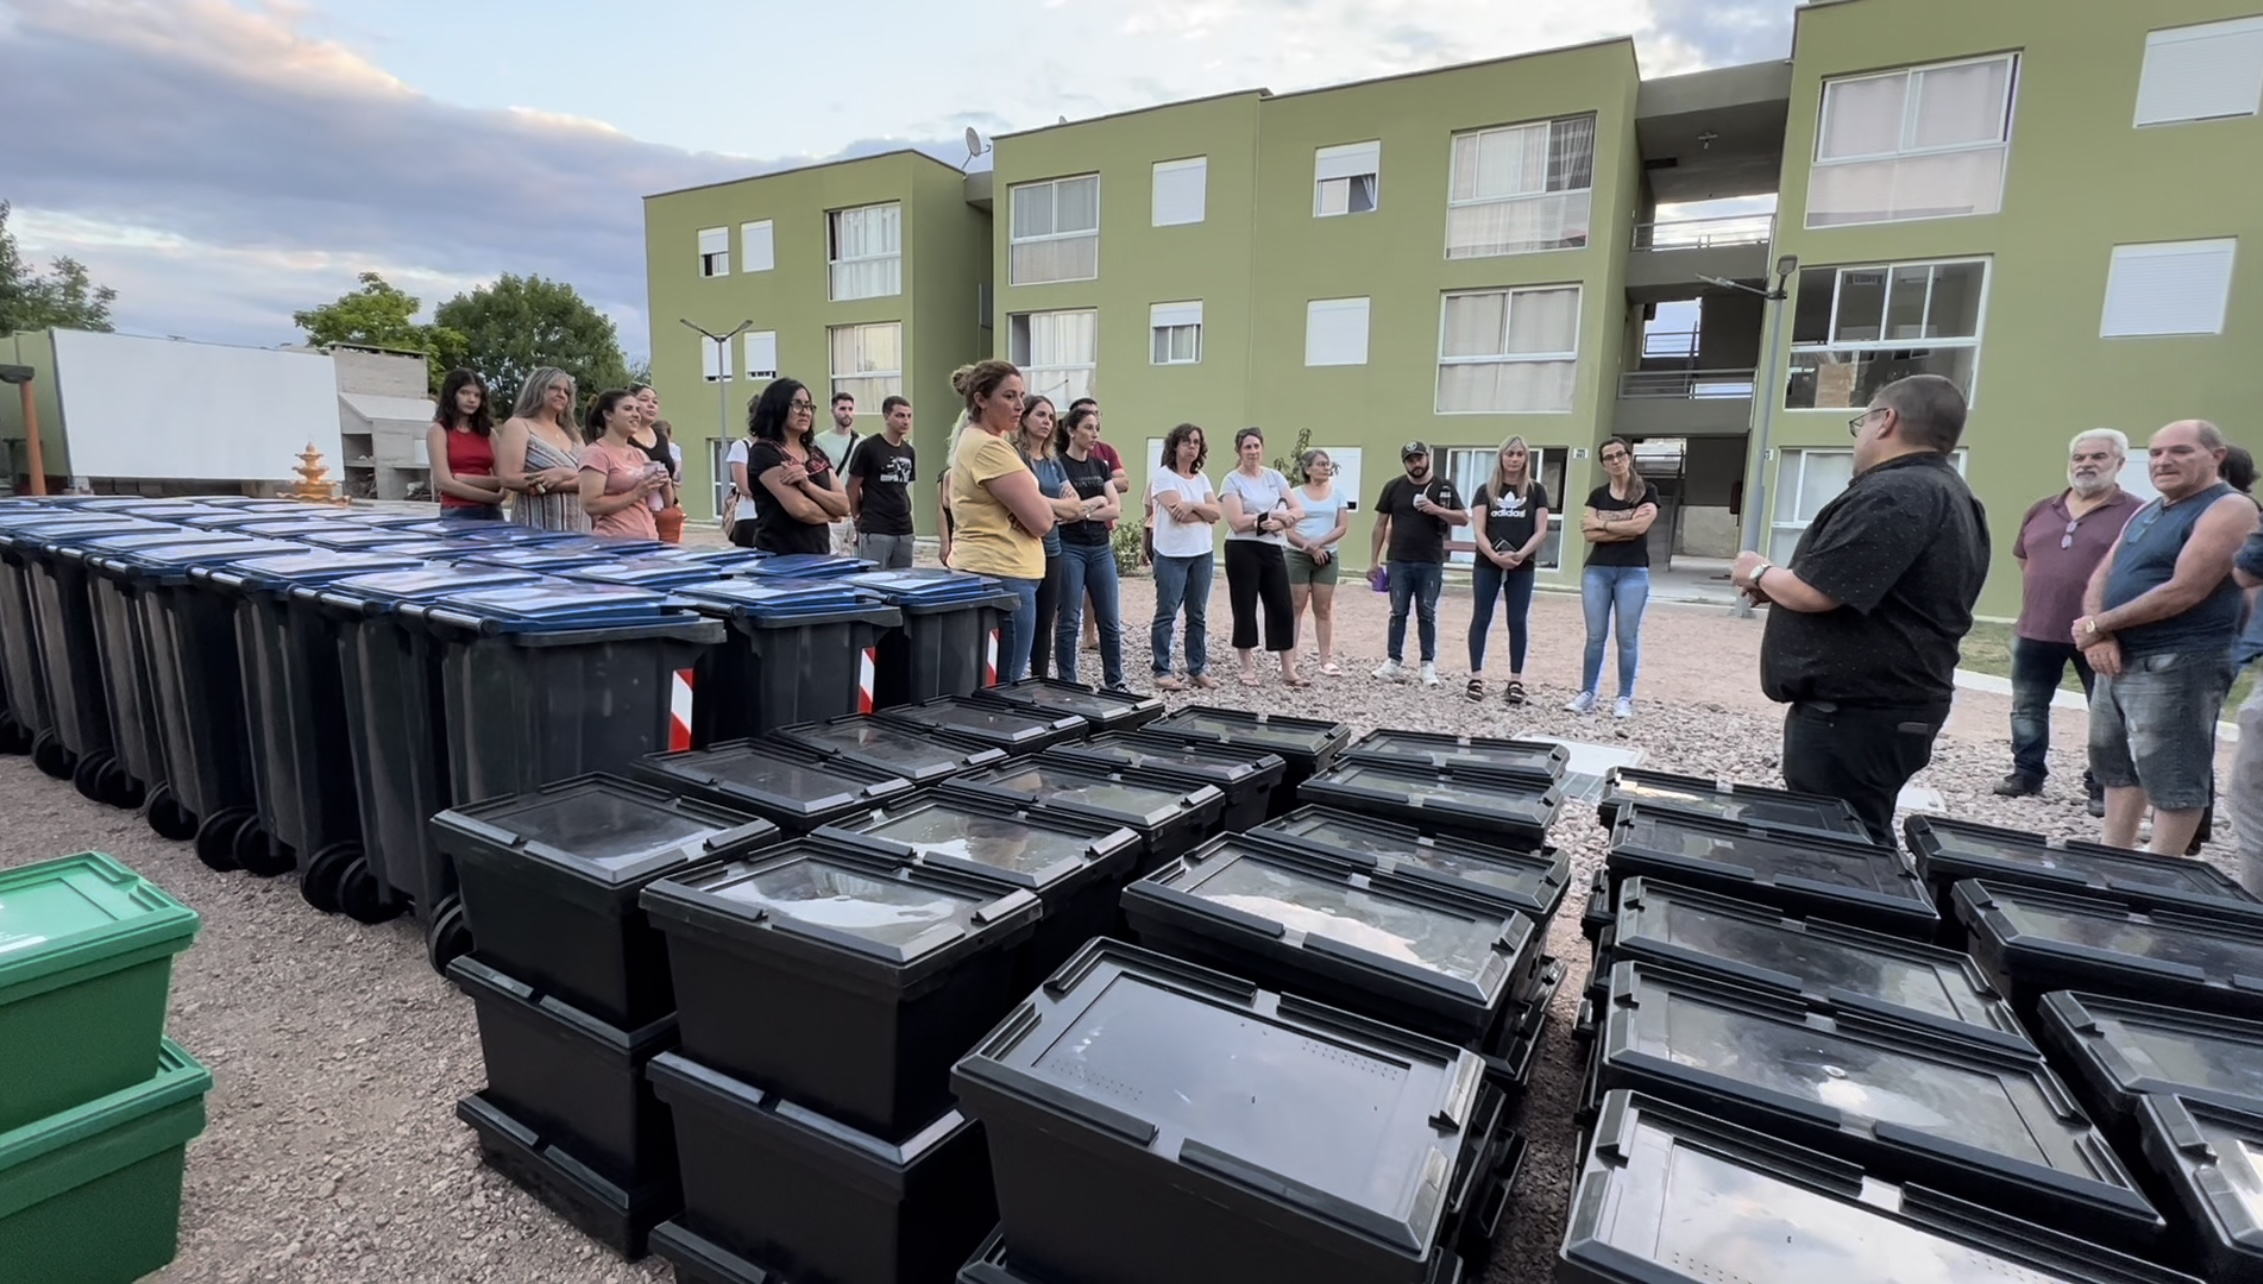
x: 1705, y: 233
x: 1687, y: 385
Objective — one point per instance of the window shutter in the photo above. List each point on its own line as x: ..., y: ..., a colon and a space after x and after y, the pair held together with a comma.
x: 2180, y: 288
x: 1181, y: 191
x: 714, y: 240
x: 1348, y: 161
x: 2202, y: 73
x: 714, y: 359
x: 1167, y: 314
x: 762, y: 354
x: 757, y: 247
x: 1335, y: 332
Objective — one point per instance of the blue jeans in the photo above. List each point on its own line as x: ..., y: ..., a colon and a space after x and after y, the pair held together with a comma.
x: 1182, y: 582
x: 1605, y: 591
x: 1020, y: 627
x: 1415, y: 584
x: 2036, y: 670
x: 1089, y: 568
x: 2153, y: 727
x: 1514, y: 588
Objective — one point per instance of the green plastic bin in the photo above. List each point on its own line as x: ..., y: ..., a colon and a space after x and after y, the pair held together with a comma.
x: 93, y: 1195
x: 86, y: 958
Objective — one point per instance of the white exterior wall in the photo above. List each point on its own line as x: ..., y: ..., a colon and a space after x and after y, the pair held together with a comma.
x: 162, y: 409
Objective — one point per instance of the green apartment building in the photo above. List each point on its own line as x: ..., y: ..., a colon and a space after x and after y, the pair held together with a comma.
x: 2048, y: 212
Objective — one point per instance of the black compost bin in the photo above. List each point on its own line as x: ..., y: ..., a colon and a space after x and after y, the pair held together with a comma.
x: 550, y: 881
x: 1667, y: 1195
x: 1307, y: 745
x: 1248, y: 778
x: 1154, y: 1120
x: 1742, y: 804
x: 1532, y: 880
x: 1844, y: 880
x: 961, y: 720
x: 2120, y: 1051
x: 2031, y: 941
x: 1077, y: 867
x: 847, y: 982
x: 1102, y: 710
x: 577, y: 1086
x: 1413, y: 954
x: 396, y: 734
x: 1949, y: 851
x: 1170, y: 812
x: 1431, y: 749
x: 797, y: 651
x: 1975, y: 1117
x: 770, y: 1185
x: 552, y: 679
x: 1470, y: 803
x: 302, y: 769
x: 2210, y: 1156
x: 775, y: 781
x: 1763, y: 946
x: 887, y: 746
x: 946, y: 643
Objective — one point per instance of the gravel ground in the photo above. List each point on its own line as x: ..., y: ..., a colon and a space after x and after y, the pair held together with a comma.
x: 333, y: 1152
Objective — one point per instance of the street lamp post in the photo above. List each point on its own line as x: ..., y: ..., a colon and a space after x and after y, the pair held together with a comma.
x: 722, y: 344
x: 1767, y: 392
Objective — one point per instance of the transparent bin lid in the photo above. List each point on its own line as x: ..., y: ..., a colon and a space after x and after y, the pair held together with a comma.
x: 1532, y: 881
x: 2130, y: 1048
x: 1691, y: 846
x: 1304, y: 737
x: 1030, y: 847
x: 1463, y: 751
x: 1069, y: 698
x: 773, y: 777
x: 1740, y: 804
x: 2212, y: 1156
x: 1184, y: 757
x: 1491, y: 800
x: 888, y: 745
x: 815, y: 892
x: 1047, y: 784
x: 989, y: 722
x: 605, y: 830
x: 2110, y: 935
x: 1948, y: 850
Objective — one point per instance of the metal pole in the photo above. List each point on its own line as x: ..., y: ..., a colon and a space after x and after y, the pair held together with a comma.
x: 722, y: 344
x: 1767, y: 393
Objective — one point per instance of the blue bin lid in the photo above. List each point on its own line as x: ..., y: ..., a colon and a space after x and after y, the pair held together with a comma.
x: 732, y: 558
x: 388, y: 521
x: 544, y: 604
x: 212, y: 552
x: 927, y: 586
x: 648, y: 572
x: 809, y: 566
x: 429, y: 550
x: 344, y: 535
x: 232, y: 518
x: 538, y: 557
x: 311, y: 566
x: 74, y: 530
x: 160, y: 510
x: 772, y: 599
x: 290, y: 527
x: 500, y: 533
x: 123, y: 545
x: 425, y: 583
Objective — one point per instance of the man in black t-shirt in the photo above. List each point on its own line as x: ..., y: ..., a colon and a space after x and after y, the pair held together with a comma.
x: 881, y: 471
x: 1865, y: 620
x: 1411, y: 518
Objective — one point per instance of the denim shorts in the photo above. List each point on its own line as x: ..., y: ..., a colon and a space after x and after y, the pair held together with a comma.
x: 2154, y: 726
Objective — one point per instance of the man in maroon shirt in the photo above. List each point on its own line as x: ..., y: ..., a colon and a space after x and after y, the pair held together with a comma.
x: 2061, y: 541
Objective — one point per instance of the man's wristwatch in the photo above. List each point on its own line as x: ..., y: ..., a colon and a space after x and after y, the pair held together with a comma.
x: 2090, y: 627
x: 1765, y: 567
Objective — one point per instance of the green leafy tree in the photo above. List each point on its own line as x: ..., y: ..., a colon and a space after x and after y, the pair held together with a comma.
x: 1293, y: 466
x: 64, y: 297
x: 382, y: 315
x: 522, y: 323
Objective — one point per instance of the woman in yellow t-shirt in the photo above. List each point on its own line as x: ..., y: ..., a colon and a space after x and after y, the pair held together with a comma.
x: 999, y: 516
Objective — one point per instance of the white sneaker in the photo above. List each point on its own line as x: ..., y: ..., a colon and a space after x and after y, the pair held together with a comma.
x: 1392, y: 671
x: 1624, y: 708
x: 1584, y: 702
x: 1429, y: 675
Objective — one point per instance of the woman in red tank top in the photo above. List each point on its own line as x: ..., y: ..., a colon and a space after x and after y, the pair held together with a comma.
x: 462, y: 450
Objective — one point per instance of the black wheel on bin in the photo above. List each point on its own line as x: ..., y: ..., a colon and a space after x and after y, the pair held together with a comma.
x: 216, y: 838
x: 15, y: 737
x: 168, y: 818
x: 318, y: 882
x: 447, y: 937
x: 87, y: 776
x: 362, y: 896
x: 259, y: 851
x: 120, y: 789
x: 49, y: 755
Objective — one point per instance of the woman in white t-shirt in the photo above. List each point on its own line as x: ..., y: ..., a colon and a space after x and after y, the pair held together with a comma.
x: 1185, y: 510
x: 1259, y: 509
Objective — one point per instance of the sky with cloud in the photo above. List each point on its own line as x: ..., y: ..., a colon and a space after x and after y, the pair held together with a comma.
x: 223, y: 163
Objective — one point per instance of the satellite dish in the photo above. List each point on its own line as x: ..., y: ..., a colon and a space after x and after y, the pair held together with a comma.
x: 974, y: 145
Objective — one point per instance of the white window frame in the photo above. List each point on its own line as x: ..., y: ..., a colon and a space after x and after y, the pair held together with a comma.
x: 761, y: 234
x: 1797, y: 525
x: 1167, y: 181
x: 719, y: 464
x: 1579, y: 319
x: 890, y: 263
x: 1338, y: 157
x: 1565, y: 195
x: 890, y: 382
x: 714, y: 357
x: 1052, y: 186
x: 761, y: 353
x: 2163, y: 77
x: 2120, y: 273
x: 1166, y: 324
x: 1057, y: 380
x: 1910, y: 107
x: 714, y: 252
x: 1834, y: 344
x: 1363, y: 305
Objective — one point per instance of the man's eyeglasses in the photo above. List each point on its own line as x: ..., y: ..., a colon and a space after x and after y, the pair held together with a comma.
x: 1854, y: 425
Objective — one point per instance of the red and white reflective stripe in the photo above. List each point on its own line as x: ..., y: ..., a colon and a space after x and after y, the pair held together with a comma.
x: 864, y: 681
x: 679, y: 711
x: 990, y: 660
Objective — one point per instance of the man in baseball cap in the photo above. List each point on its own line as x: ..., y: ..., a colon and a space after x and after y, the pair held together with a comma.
x: 1411, y: 519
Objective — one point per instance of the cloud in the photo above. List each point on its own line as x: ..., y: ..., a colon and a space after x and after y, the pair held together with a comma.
x: 1719, y: 33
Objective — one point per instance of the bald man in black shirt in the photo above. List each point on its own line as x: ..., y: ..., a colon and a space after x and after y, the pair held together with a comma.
x: 1862, y: 643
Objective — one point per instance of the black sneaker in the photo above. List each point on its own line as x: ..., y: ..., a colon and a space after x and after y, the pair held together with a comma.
x: 2018, y: 785
x: 2097, y: 806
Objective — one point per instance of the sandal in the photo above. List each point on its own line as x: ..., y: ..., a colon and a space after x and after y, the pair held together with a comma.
x: 1514, y: 693
x: 1206, y: 682
x: 1169, y: 683
x: 1332, y: 669
x: 1252, y: 680
x: 1298, y: 681
x: 1476, y: 689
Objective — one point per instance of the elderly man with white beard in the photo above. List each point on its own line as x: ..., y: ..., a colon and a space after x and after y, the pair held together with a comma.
x: 2061, y: 541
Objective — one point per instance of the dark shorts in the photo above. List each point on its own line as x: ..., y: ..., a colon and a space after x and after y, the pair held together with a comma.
x: 2154, y: 726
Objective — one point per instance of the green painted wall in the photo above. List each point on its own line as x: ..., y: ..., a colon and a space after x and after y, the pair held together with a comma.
x: 794, y: 300
x: 2081, y: 179
x: 34, y: 348
x: 946, y: 327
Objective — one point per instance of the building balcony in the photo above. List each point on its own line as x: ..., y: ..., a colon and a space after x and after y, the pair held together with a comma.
x: 1684, y: 403
x: 1671, y: 258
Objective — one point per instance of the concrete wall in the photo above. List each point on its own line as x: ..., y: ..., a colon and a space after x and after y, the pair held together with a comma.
x: 383, y: 374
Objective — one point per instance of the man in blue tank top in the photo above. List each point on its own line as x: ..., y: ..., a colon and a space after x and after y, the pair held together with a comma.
x: 2247, y: 768
x: 2161, y: 614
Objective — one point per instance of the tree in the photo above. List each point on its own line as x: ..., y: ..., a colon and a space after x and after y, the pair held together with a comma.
x: 382, y: 315
x: 522, y: 323
x: 65, y: 297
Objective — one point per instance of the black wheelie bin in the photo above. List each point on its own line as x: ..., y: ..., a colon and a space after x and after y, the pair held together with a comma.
x: 797, y: 651
x: 62, y: 711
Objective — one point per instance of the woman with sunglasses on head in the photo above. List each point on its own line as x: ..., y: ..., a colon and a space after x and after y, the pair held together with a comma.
x: 1312, y: 563
x: 1616, y: 582
x: 1514, y: 526
x: 796, y: 496
x: 1259, y: 510
x: 538, y: 454
x: 461, y: 445
x: 619, y: 479
x: 1000, y: 517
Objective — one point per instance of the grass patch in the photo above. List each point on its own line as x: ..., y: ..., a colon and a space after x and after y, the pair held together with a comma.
x: 1988, y: 649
